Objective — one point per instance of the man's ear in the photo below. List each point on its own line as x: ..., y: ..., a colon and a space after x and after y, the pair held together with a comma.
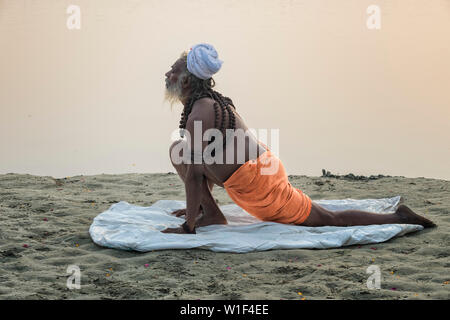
x: 185, y: 82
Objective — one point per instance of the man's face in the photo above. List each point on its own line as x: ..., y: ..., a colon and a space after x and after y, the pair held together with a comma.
x: 174, y: 87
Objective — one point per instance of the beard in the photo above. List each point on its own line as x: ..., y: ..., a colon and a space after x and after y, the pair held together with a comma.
x: 173, y: 93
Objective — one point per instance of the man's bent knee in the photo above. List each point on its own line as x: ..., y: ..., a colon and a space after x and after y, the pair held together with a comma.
x: 176, y: 153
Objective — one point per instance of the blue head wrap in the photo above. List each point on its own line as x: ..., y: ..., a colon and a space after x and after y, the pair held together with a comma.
x: 203, y: 61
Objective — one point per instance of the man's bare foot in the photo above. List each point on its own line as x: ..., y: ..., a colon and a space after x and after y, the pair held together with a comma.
x: 203, y: 219
x: 407, y: 216
x: 206, y: 220
x: 182, y: 212
x: 211, y: 217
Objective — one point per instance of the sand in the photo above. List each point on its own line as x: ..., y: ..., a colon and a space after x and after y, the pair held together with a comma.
x: 44, y: 226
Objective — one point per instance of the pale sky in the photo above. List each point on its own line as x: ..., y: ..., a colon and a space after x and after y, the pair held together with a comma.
x: 344, y: 97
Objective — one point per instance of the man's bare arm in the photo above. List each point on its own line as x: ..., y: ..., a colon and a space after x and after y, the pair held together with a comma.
x: 193, y: 186
x: 201, y: 113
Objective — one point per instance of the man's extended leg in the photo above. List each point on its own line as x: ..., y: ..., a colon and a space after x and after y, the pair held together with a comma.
x: 320, y: 216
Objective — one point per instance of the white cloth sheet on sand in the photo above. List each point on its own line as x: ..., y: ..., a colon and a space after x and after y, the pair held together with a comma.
x: 128, y: 227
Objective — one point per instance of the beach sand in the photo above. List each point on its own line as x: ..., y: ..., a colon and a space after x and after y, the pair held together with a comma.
x: 44, y: 226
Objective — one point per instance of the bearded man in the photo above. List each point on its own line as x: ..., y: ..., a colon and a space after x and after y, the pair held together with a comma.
x: 267, y: 196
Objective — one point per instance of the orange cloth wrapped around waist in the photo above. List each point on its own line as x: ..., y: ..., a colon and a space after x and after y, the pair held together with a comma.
x: 261, y: 187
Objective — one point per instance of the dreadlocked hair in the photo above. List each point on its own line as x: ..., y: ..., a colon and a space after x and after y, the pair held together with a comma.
x: 204, y: 88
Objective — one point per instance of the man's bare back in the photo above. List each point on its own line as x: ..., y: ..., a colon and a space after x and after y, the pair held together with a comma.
x: 218, y: 173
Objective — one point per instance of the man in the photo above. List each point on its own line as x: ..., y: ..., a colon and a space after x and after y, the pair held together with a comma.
x: 267, y: 196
